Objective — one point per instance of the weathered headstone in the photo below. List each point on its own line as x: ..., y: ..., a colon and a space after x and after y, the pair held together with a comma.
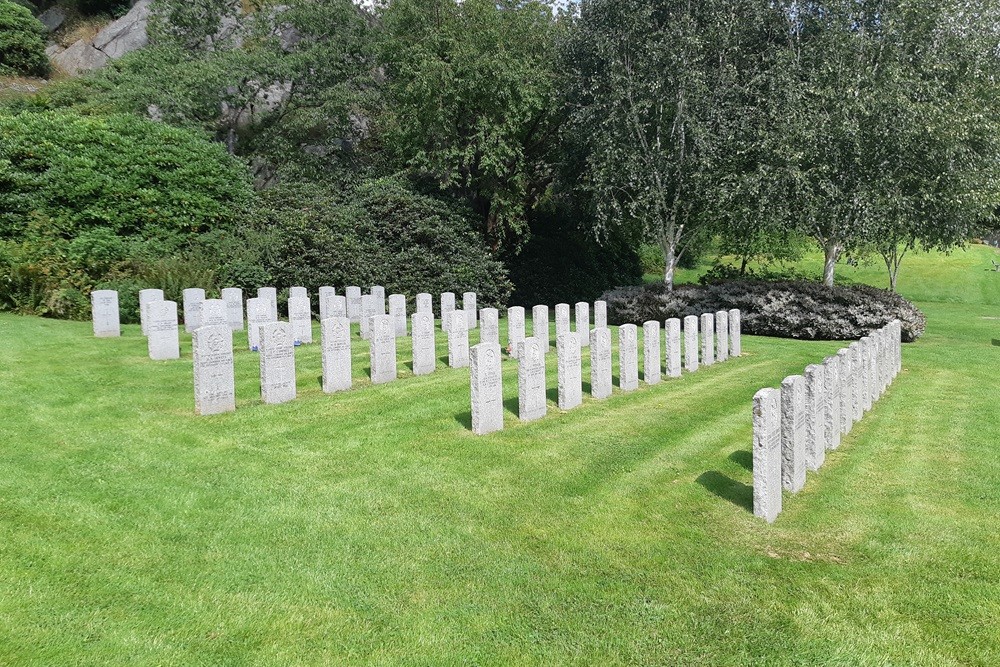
x: 458, y: 340
x: 447, y: 308
x: 300, y: 317
x: 815, y: 416
x: 397, y: 311
x: 423, y: 339
x: 600, y: 315
x: 486, y: 382
x: 354, y: 303
x: 735, y: 333
x: 337, y: 307
x: 583, y: 323
x: 270, y: 294
x: 846, y: 387
x: 335, y: 340
x: 569, y: 370
x: 857, y: 371
x: 540, y: 326
x: 326, y: 294
x: 871, y: 369
x: 515, y: 329
x: 471, y: 310
x: 562, y: 319
x: 378, y: 295
x: 691, y: 343
x: 531, y: 400
x: 425, y: 303
x: 721, y: 336
x: 767, y: 454
x: 194, y: 297
x: 383, y: 349
x: 298, y: 293
x: 489, y: 326
x: 214, y: 312
x: 673, y: 347
x: 600, y: 363
x: 277, y: 363
x: 651, y: 369
x: 161, y: 330
x: 258, y: 313
x: 831, y: 394
x: 793, y: 433
x: 105, y: 314
x: 369, y: 309
x: 628, y: 357
x: 233, y: 296
x: 147, y: 296
x: 214, y: 377
x: 707, y: 339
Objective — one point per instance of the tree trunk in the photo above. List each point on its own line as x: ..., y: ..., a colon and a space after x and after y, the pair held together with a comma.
x: 669, y: 248
x: 832, y: 252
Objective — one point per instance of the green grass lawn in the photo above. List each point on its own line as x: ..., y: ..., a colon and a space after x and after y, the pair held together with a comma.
x: 372, y: 527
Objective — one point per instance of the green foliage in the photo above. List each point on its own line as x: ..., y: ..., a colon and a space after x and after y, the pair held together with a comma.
x: 22, y: 43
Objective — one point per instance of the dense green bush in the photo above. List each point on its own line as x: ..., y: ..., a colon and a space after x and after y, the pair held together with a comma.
x: 381, y: 233
x: 22, y: 45
x: 788, y: 309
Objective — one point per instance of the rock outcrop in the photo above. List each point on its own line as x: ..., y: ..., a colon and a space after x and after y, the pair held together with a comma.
x: 119, y: 37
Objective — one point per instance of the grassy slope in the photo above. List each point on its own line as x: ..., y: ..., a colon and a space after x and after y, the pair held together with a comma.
x: 372, y: 528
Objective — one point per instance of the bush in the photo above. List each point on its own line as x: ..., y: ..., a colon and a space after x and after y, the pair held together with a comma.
x: 22, y: 43
x: 788, y: 309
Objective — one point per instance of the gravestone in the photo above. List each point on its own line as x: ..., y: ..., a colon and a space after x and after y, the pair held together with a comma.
x: 531, y: 400
x: 600, y: 363
x: 628, y: 357
x: 369, y: 309
x: 846, y: 387
x: 147, y: 296
x: 397, y: 311
x: 707, y: 339
x: 214, y: 312
x: 300, y: 317
x: 326, y: 295
x: 515, y: 329
x: 270, y: 295
x: 354, y: 303
x: 600, y: 315
x: 721, y: 336
x: 651, y: 369
x: 335, y: 340
x: 735, y: 333
x: 562, y: 319
x: 793, y: 433
x: 583, y: 323
x: 691, y: 343
x: 569, y: 370
x: 831, y: 394
x: 673, y: 347
x: 870, y: 364
x: 338, y: 307
x: 298, y: 293
x: 767, y: 454
x: 214, y: 377
x: 447, y: 308
x: 233, y: 296
x: 489, y: 323
x: 486, y: 383
x: 815, y: 416
x: 258, y: 313
x: 161, y: 330
x: 378, y: 295
x: 458, y: 340
x: 277, y: 363
x: 383, y: 349
x: 425, y: 303
x: 857, y: 370
x: 540, y: 326
x: 471, y: 310
x: 423, y: 340
x: 104, y: 313
x: 194, y: 297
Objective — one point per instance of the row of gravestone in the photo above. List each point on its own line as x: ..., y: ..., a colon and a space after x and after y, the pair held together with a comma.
x: 720, y: 338
x: 794, y: 426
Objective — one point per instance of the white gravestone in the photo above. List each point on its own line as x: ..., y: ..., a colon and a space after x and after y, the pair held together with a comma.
x: 562, y: 319
x: 600, y: 363
x: 831, y: 394
x: 707, y: 339
x: 767, y: 454
x: 447, y: 308
x: 531, y: 399
x: 397, y: 311
x: 270, y: 294
x: 486, y: 384
x: 458, y: 340
x: 214, y: 312
x: 691, y: 343
x: 335, y: 341
x: 489, y: 326
x: 721, y: 336
x: 651, y: 370
x: 846, y: 402
x: 233, y: 296
x: 425, y: 303
x: 369, y: 309
x: 628, y: 357
x: 673, y: 352
x: 600, y: 315
x: 735, y: 333
x: 326, y: 294
x: 338, y: 307
x: 300, y: 317
x: 793, y: 433
x: 161, y: 330
x: 354, y: 303
x: 471, y: 310
x: 515, y: 329
x: 423, y: 340
x: 194, y: 297
x: 258, y: 313
x: 857, y: 370
x: 540, y: 326
x: 569, y: 370
x: 214, y: 377
x: 104, y: 313
x: 583, y: 323
x: 383, y: 349
x: 378, y: 294
x: 868, y: 347
x: 815, y: 417
x: 147, y: 296
x: 298, y: 293
x: 277, y: 363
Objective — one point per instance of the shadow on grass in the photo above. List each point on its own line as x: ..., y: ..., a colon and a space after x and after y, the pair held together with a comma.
x: 510, y: 405
x: 465, y: 419
x: 996, y: 342
x: 319, y: 380
x: 552, y: 393
x: 586, y: 388
x: 742, y: 458
x: 727, y: 488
